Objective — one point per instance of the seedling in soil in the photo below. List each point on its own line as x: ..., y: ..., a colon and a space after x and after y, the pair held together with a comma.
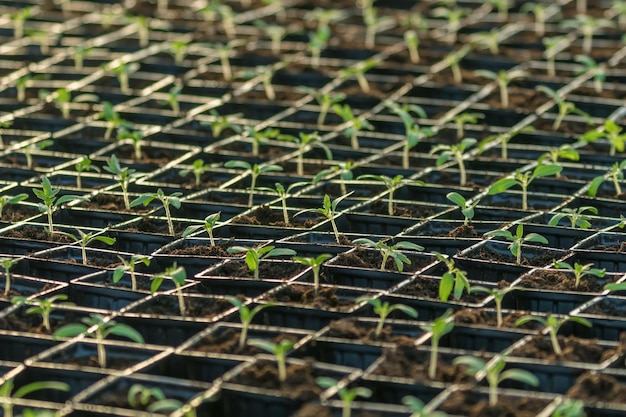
x: 84, y: 239
x: 224, y: 51
x: 523, y: 180
x: 498, y: 295
x: 466, y: 209
x: 18, y: 19
x: 129, y: 266
x: 392, y: 251
x: 80, y: 53
x: 210, y: 222
x: 122, y: 71
x: 539, y: 11
x: 570, y: 408
x: 178, y: 275
x: 411, y: 40
x: 143, y: 30
x: 456, y: 152
x: 487, y: 40
x: 553, y: 324
x: 615, y: 175
x: 4, y: 125
x: 276, y: 33
x: 7, y: 394
x: 345, y: 174
x: 198, y: 169
x: 588, y: 25
x: 221, y: 123
x: 43, y: 38
x: 590, y: 65
x: 315, y: 263
x: 347, y: 395
x: 246, y: 316
x: 318, y: 41
x: 7, y: 264
x: 7, y: 199
x: 453, y: 281
x: 28, y: 149
x: 495, y: 374
x: 136, y: 136
x: 412, y: 130
x: 172, y: 98
x: 279, y: 350
x: 503, y: 79
x: 326, y: 100
x: 266, y: 73
x: 502, y: 6
x: 254, y: 255
x: 580, y: 271
x: 179, y: 50
x: 453, y: 15
x: 384, y: 309
x: 462, y: 119
x: 578, y: 217
x: 123, y: 177
x: 553, y: 45
x: 565, y: 107
x: 112, y: 118
x: 305, y: 141
x: 228, y: 19
x: 562, y: 152
x: 392, y: 184
x: 453, y: 59
x: 329, y: 210
x: 439, y: 327
x: 255, y: 171
x: 166, y: 200
x: 43, y: 307
x: 63, y: 100
x: 359, y: 71
x: 260, y: 137
x: 84, y: 165
x: 50, y: 202
x: 517, y: 240
x: 101, y: 330
x: 20, y: 85
x: 283, y: 194
x: 419, y: 409
x: 356, y: 124
x: 619, y: 8
x: 610, y: 131
x: 372, y: 24
x: 140, y: 396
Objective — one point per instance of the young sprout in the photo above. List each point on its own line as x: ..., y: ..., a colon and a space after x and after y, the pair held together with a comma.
x: 565, y: 107
x: 539, y: 11
x: 210, y: 222
x: 283, y: 193
x: 391, y: 183
x: 50, y: 202
x: 7, y: 264
x: 488, y: 40
x: 84, y: 239
x: 570, y: 408
x: 614, y: 175
x: 565, y: 151
x: 315, y: 263
x: 7, y: 199
x: 466, y: 209
x: 141, y: 396
x: 246, y: 316
x: 113, y: 119
x: 178, y: 275
x: 20, y: 85
x: 259, y: 137
x: 255, y: 171
x: 305, y: 141
x: 580, y: 271
x: 503, y: 8
x: 359, y: 71
x: 122, y: 71
x: 411, y: 40
x: 179, y: 50
x: 495, y: 374
x: 123, y: 176
x: 419, y: 409
x: 384, y: 309
x: 18, y: 19
x: 356, y: 124
x: 84, y: 165
x: 372, y: 23
x: 413, y: 131
x: 462, y: 119
x: 610, y: 131
x: 198, y: 169
x: 254, y: 255
x: 503, y: 139
x: 279, y: 350
x: 503, y: 79
x: 28, y: 149
x: 453, y: 281
x: 517, y: 240
x: 172, y: 98
x: 329, y: 210
x: 325, y: 100
x: 224, y: 51
x: 276, y: 33
x: 347, y: 395
x: 591, y: 66
x: 453, y: 15
x: 523, y: 180
x: 345, y: 174
x: 166, y: 200
x: 588, y: 25
x: 553, y: 45
x: 7, y: 394
x: 553, y: 324
x: 318, y: 41
x: 102, y: 329
x: 439, y: 327
x: 222, y: 123
x: 453, y: 59
x: 5, y: 124
x: 393, y: 251
x: 456, y: 152
x: 129, y: 266
x: 498, y: 295
x: 136, y: 136
x: 619, y: 8
x: 578, y: 217
x: 42, y: 307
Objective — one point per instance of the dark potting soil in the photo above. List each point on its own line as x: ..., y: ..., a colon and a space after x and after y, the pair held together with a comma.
x: 520, y: 99
x: 316, y: 410
x: 195, y: 307
x: 362, y: 258
x: 610, y: 248
x: 149, y: 155
x: 14, y: 213
x: 402, y: 210
x: 110, y: 202
x: 268, y: 217
x: 302, y: 294
x: 351, y: 328
x: 574, y: 349
x: 37, y: 233
x: 591, y: 387
x: 561, y: 281
x: 267, y: 270
x: 226, y: 340
x: 545, y: 258
x: 463, y: 231
x: 148, y: 225
x: 111, y: 362
x: 488, y: 318
x: 423, y: 287
x: 466, y: 403
x: 605, y: 308
x: 300, y: 383
x: 32, y: 324
x: 220, y: 249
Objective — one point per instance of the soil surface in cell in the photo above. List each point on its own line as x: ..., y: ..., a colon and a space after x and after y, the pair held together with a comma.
x: 426, y: 287
x: 303, y: 294
x: 226, y: 340
x: 574, y: 349
x: 465, y: 403
x: 264, y: 215
x: 267, y: 270
x: 362, y: 258
x: 598, y: 387
x: 194, y: 307
x: 562, y: 281
x: 351, y: 328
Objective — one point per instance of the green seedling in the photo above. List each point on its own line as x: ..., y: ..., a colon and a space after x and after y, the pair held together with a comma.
x: 172, y: 98
x: 578, y: 217
x: 553, y: 324
x: 112, y: 118
x: 325, y: 100
x: 275, y: 33
x: 329, y: 210
x: 179, y: 50
x: 254, y: 255
x: 84, y: 165
x: 453, y: 15
x: 246, y: 315
x: 123, y: 71
x: 411, y: 40
x: 495, y: 374
x: 279, y: 350
x: 129, y: 266
x: 523, y: 180
x: 614, y: 175
x: 7, y: 199
x: 20, y: 85
x: 393, y: 251
x: 255, y: 171
x: 588, y: 25
x: 553, y: 156
x: 356, y: 124
x: 43, y: 307
x: 580, y: 271
x: 553, y: 45
x: 222, y: 123
x: 564, y: 107
x: 591, y: 66
x: 101, y: 330
x: 259, y: 137
x: 141, y: 396
x: 384, y: 309
x: 84, y: 239
x: 178, y: 275
x: 28, y: 149
x: 467, y: 209
x: 462, y: 119
x: 123, y: 177
x: 347, y: 395
x: 419, y: 409
x: 315, y: 263
x: 539, y: 11
x: 503, y: 79
x: 198, y: 169
x: 439, y: 327
x: 391, y: 184
x: 414, y: 133
x: 50, y: 202
x: 570, y: 408
x: 456, y: 152
x: 487, y: 40
x: 7, y: 393
x: 143, y: 29
x: 224, y: 51
x: 18, y: 18
x: 502, y: 6
x: 210, y: 222
x: 166, y: 201
x: 454, y: 281
x: 359, y: 71
x: 136, y: 136
x: 317, y: 42
x: 517, y: 240
x: 4, y: 125
x: 283, y: 194
x: 498, y: 295
x: 619, y: 9
x: 7, y: 264
x: 610, y: 131
x: 305, y: 141
x: 453, y: 59
x: 344, y: 169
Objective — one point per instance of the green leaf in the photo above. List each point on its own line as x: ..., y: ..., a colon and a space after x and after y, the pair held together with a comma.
x: 546, y: 170
x: 502, y: 185
x: 457, y: 199
x: 124, y: 330
x: 40, y: 385
x: 595, y: 185
x: 70, y: 330
x: 445, y: 286
x: 520, y: 375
